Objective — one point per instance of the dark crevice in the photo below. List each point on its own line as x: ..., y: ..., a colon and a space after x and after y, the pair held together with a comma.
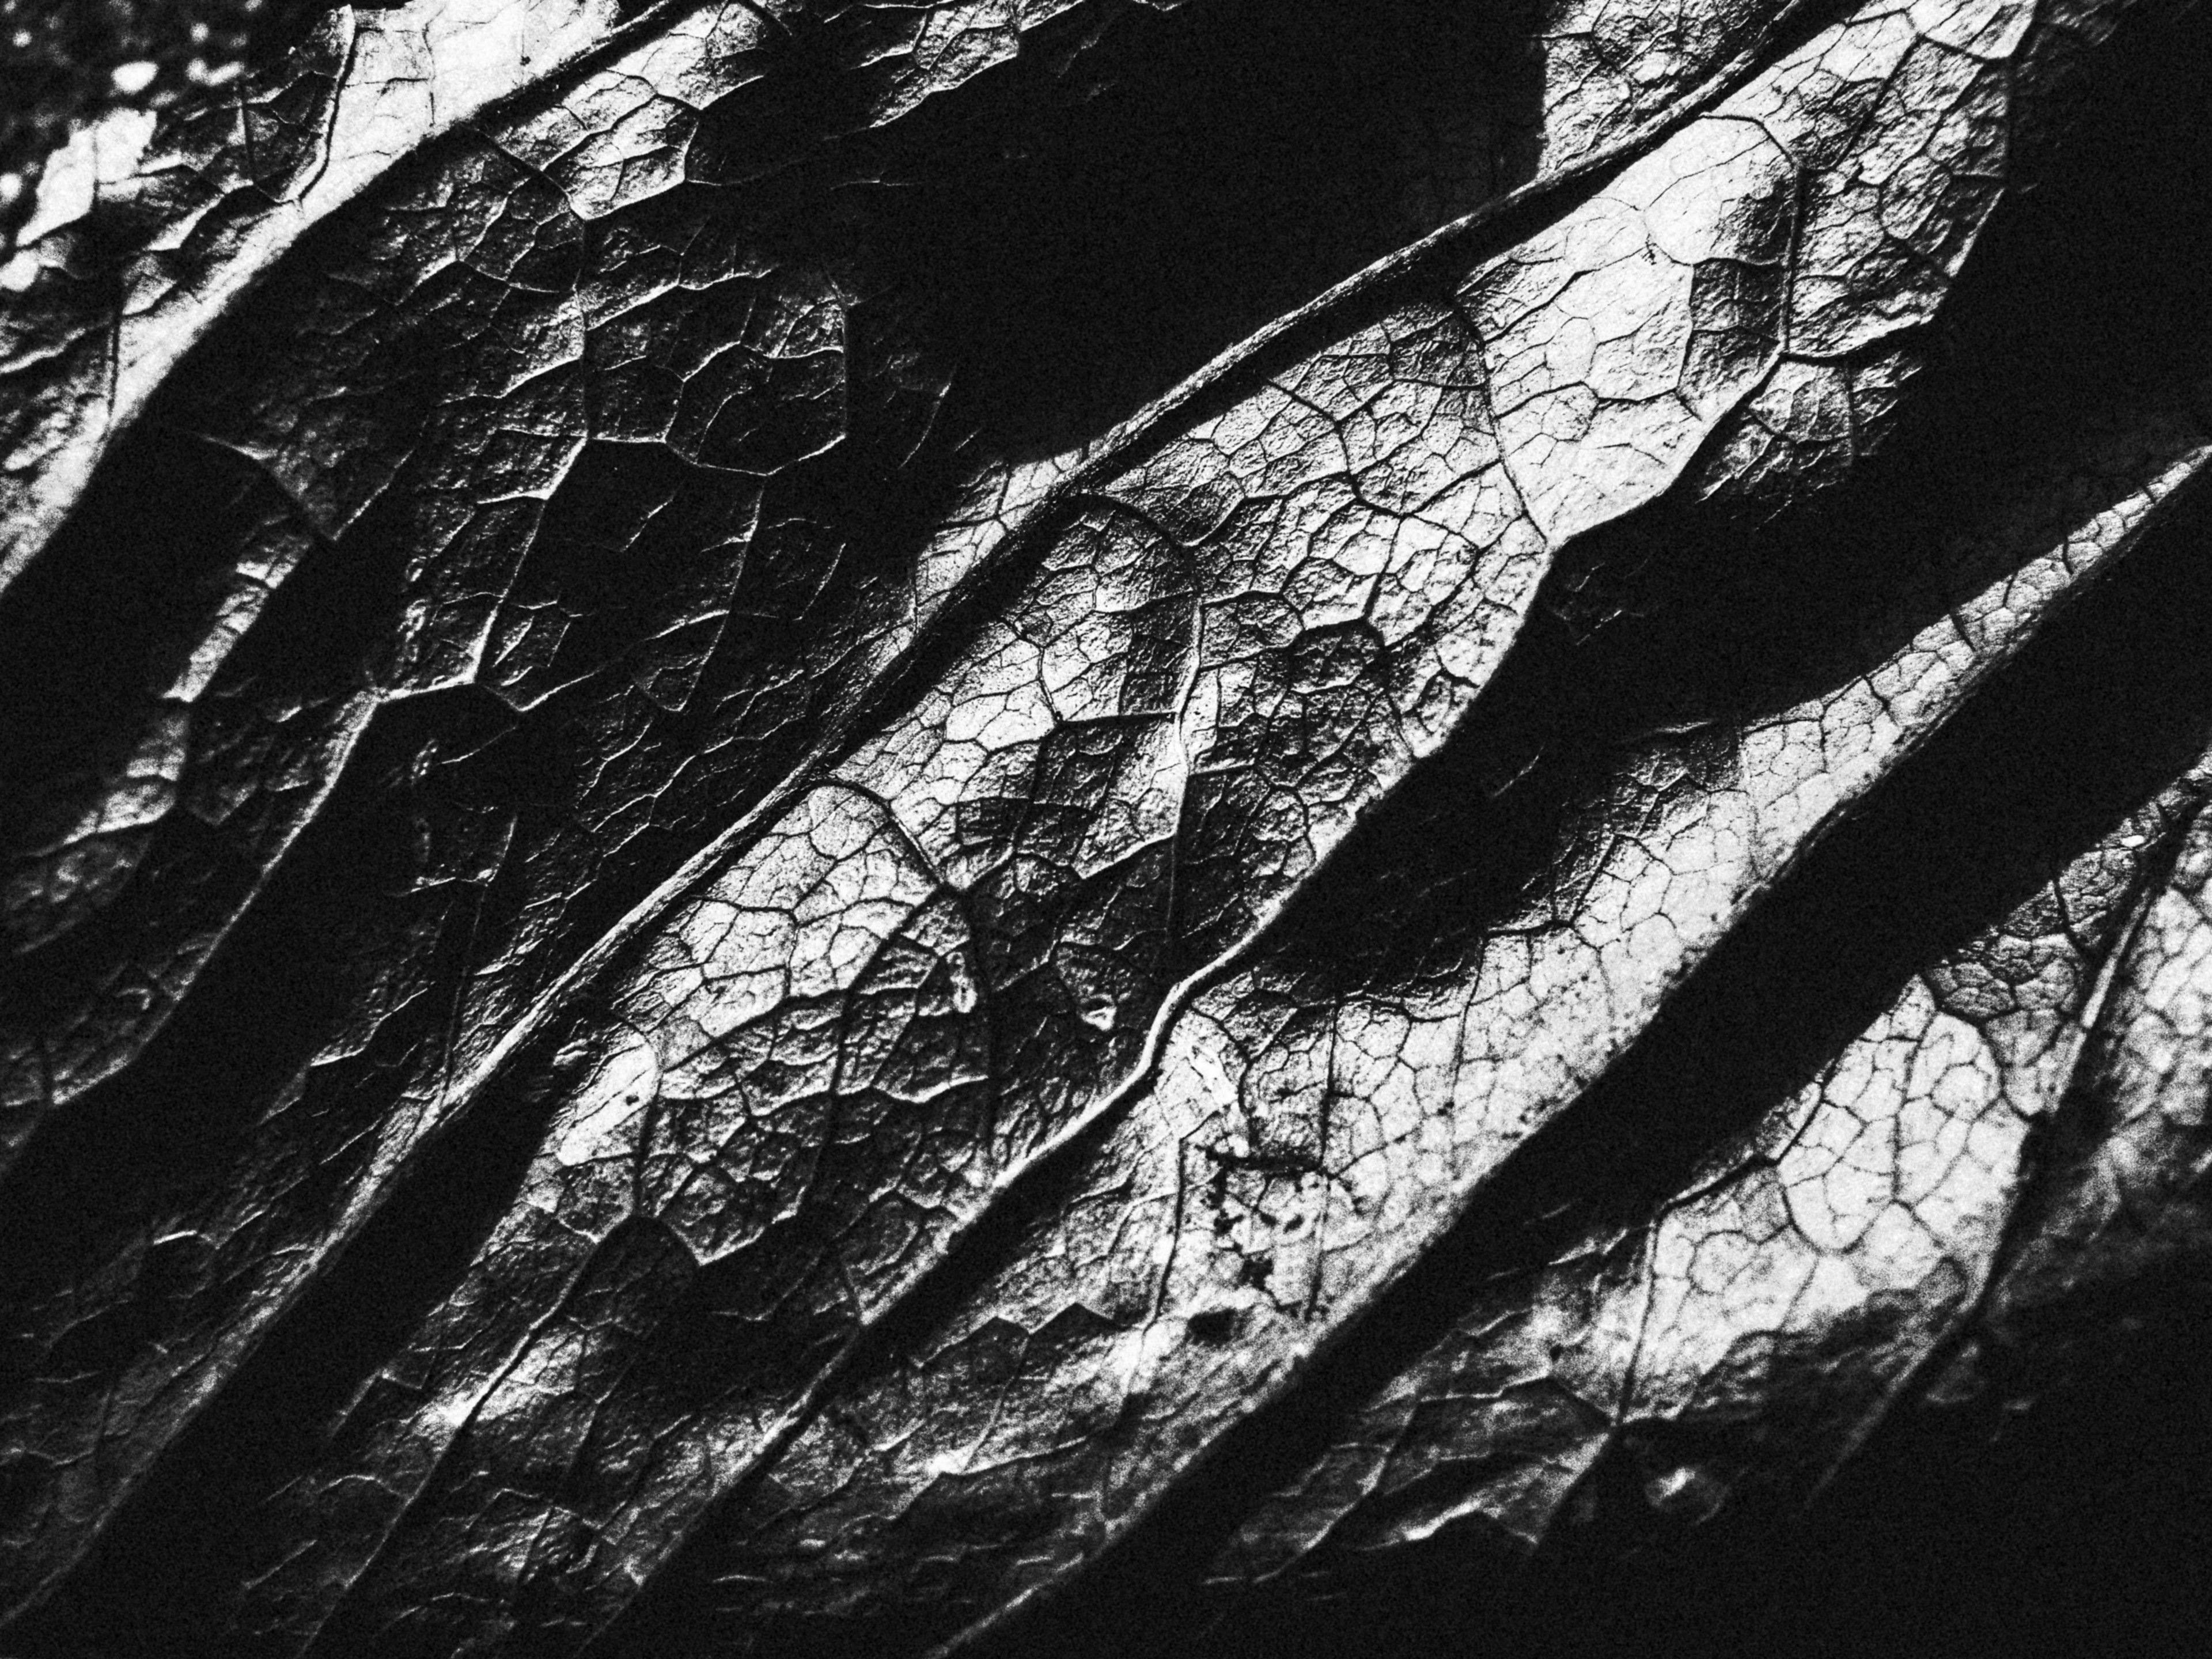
x: 1139, y: 190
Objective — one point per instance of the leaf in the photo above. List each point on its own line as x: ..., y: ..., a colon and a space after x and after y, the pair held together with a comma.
x: 143, y: 233
x: 401, y: 508
x: 1302, y: 1141
x: 946, y: 948
x: 1644, y: 1360
x: 2119, y: 1197
x: 1815, y: 1261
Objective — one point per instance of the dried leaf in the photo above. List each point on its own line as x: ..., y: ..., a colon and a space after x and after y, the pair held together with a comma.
x: 813, y: 873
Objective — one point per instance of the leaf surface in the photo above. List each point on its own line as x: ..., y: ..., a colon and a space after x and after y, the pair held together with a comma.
x: 961, y: 884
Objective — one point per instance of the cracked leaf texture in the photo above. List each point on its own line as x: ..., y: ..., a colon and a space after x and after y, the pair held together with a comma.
x: 1086, y: 825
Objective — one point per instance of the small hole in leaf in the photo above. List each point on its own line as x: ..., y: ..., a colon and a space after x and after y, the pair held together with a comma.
x: 1215, y: 1325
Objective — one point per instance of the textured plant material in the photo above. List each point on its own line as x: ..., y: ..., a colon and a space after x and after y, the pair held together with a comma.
x: 831, y: 823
